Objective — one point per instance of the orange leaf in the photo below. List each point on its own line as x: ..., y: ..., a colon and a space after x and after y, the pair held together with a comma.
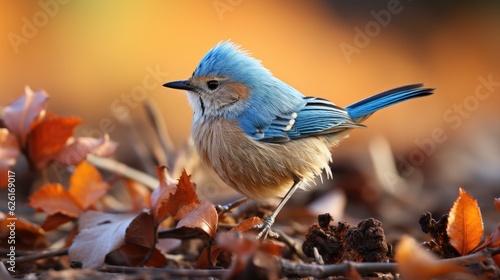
x: 19, y: 115
x: 53, y: 199
x: 415, y: 263
x: 497, y: 203
x: 139, y: 194
x: 86, y: 185
x: 29, y: 236
x: 49, y: 137
x: 465, y: 225
x: 248, y: 224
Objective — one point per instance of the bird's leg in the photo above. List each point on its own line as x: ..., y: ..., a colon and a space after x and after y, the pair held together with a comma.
x: 265, y: 227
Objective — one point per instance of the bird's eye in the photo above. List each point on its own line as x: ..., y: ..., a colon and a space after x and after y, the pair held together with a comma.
x: 212, y: 84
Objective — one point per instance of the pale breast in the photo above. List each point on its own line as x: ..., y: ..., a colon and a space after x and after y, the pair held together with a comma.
x: 256, y: 169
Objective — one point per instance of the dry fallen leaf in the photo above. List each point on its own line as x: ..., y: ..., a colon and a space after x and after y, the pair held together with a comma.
x: 49, y: 137
x: 465, y: 224
x: 248, y: 224
x: 208, y: 257
x: 139, y: 194
x: 162, y: 193
x: 53, y: 199
x: 497, y: 203
x: 77, y: 149
x: 20, y: 115
x: 184, y: 200
x: 175, y: 200
x: 490, y: 241
x: 86, y: 185
x: 100, y: 233
x: 415, y: 263
x: 204, y: 217
x: 253, y: 258
x: 28, y: 236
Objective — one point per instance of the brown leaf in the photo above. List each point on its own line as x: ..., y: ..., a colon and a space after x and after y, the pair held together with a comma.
x: 134, y: 255
x: 465, y: 225
x: 203, y: 217
x: 208, y: 257
x: 497, y: 203
x: 29, y: 236
x: 184, y: 200
x: 100, y: 233
x: 53, y: 199
x: 177, y: 201
x: 161, y: 193
x: 415, y: 263
x: 55, y: 220
x: 141, y: 231
x: 86, y: 185
x: 19, y: 115
x: 49, y: 137
x: 77, y: 149
x: 254, y: 259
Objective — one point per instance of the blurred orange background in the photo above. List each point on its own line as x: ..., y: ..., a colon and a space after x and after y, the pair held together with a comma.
x: 93, y: 56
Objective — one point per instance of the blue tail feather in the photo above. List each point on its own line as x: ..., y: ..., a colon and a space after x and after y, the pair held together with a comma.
x: 362, y: 109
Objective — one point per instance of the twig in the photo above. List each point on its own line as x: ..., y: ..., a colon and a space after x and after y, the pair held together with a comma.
x: 322, y: 271
x: 167, y: 146
x: 169, y: 271
x: 124, y: 170
x: 222, y: 209
x: 41, y: 255
x: 476, y: 257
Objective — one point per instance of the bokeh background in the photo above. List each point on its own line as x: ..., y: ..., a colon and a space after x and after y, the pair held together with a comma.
x: 101, y: 59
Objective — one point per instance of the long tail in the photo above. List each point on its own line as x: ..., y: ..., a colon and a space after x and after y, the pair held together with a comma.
x: 361, y: 110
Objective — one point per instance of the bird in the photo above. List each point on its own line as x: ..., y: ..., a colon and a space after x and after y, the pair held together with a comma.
x: 263, y: 137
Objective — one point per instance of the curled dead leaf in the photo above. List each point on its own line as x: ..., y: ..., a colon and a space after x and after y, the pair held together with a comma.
x: 99, y: 234
x: 20, y: 115
x: 77, y: 149
x: 204, y: 217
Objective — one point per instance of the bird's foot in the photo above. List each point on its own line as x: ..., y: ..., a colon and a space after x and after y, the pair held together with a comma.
x: 265, y: 229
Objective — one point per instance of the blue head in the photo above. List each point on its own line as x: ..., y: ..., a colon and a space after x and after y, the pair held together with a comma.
x: 223, y: 81
x: 228, y: 82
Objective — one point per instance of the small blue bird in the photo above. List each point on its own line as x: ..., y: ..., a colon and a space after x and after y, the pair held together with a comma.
x: 260, y: 135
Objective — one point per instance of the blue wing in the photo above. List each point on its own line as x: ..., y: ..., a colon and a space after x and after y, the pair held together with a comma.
x: 310, y: 117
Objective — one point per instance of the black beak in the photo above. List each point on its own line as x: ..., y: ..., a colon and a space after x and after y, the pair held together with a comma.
x: 180, y: 85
